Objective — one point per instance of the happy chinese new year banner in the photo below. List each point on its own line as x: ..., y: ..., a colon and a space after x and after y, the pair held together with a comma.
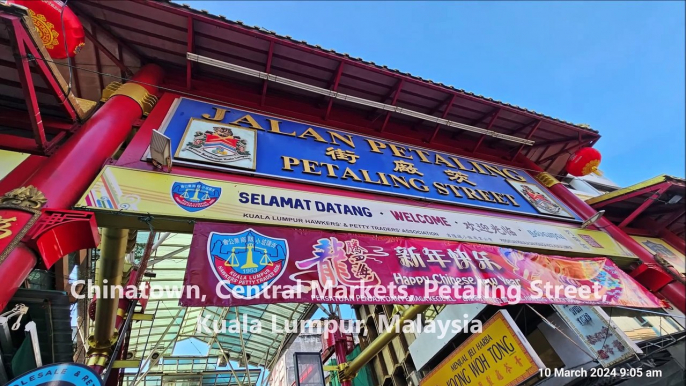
x: 235, y: 264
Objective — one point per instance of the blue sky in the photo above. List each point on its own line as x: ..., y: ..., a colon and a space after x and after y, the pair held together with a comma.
x: 618, y: 66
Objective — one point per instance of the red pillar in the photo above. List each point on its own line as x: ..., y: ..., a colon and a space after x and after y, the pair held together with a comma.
x: 651, y: 274
x: 65, y: 176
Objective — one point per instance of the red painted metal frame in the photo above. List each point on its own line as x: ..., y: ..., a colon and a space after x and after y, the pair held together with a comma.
x: 190, y: 47
x: 669, y: 220
x: 445, y: 114
x: 649, y: 201
x: 396, y: 93
x: 352, y: 62
x: 647, y: 189
x: 29, y: 90
x: 267, y: 69
x: 528, y: 136
x: 107, y: 52
x: 483, y: 136
x: 334, y: 87
x: 95, y: 25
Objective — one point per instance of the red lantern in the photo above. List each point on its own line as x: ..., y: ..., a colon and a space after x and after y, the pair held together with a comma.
x: 585, y: 161
x: 47, y: 16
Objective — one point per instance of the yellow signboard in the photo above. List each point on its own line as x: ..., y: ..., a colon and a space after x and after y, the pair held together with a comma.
x: 10, y: 160
x: 666, y: 251
x: 499, y: 355
x: 120, y: 191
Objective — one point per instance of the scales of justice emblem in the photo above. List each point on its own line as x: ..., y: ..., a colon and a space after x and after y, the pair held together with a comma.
x: 247, y: 262
x: 196, y: 196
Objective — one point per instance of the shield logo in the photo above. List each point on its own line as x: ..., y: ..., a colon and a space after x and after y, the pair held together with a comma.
x: 247, y: 262
x: 195, y: 196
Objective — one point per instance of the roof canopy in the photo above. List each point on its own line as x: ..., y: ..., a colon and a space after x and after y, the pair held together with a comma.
x: 122, y: 36
x: 654, y: 204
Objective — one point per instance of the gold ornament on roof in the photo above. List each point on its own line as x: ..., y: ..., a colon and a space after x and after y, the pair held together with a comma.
x: 46, y: 30
x: 27, y: 196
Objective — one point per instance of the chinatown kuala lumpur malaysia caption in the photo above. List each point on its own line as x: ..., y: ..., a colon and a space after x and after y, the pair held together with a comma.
x: 311, y: 193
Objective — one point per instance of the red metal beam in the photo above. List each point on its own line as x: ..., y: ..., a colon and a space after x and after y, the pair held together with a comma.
x: 107, y: 52
x: 268, y: 68
x: 528, y: 136
x: 445, y: 114
x: 334, y: 87
x: 670, y: 219
x: 490, y: 124
x: 45, y: 72
x: 98, y: 68
x: 26, y: 80
x: 633, y: 194
x: 96, y: 24
x: 398, y: 90
x: 190, y: 48
x: 16, y: 143
x: 648, y: 202
x: 312, y: 50
x: 18, y: 119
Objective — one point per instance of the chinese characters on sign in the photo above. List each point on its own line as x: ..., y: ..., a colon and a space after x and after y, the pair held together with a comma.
x: 349, y: 268
x: 243, y: 141
x: 499, y: 356
x: 591, y: 324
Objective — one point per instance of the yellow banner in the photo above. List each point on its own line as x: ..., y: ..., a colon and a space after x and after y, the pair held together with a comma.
x: 10, y: 160
x: 119, y: 190
x: 669, y: 253
x: 500, y: 355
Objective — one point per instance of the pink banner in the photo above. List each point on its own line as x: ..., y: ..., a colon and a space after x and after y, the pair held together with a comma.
x: 236, y: 264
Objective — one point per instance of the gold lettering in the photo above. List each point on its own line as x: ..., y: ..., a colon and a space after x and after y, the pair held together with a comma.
x: 422, y: 187
x: 460, y: 166
x: 441, y: 160
x: 250, y: 121
x: 384, y: 180
x: 471, y: 193
x: 511, y: 199
x: 274, y: 128
x: 455, y: 189
x: 5, y: 226
x: 348, y: 139
x: 441, y: 189
x: 511, y: 174
x: 493, y: 169
x: 367, y: 179
x: 289, y: 162
x: 486, y: 195
x: 218, y: 114
x: 349, y: 173
x: 310, y: 132
x: 399, y: 180
x: 499, y: 198
x: 422, y: 155
x: 330, y: 169
x: 375, y: 146
x: 478, y: 167
x: 309, y: 167
x: 399, y: 151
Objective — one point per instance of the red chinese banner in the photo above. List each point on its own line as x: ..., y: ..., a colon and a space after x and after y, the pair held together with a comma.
x: 236, y: 264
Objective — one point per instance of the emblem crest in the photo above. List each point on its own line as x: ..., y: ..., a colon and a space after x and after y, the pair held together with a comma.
x: 247, y: 262
x: 218, y: 143
x: 195, y: 196
x: 541, y: 201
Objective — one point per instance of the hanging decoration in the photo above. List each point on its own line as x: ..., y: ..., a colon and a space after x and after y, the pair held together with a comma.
x: 48, y: 17
x: 584, y: 161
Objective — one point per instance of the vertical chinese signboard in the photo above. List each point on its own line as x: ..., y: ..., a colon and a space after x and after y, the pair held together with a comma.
x: 606, y: 342
x: 500, y: 355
